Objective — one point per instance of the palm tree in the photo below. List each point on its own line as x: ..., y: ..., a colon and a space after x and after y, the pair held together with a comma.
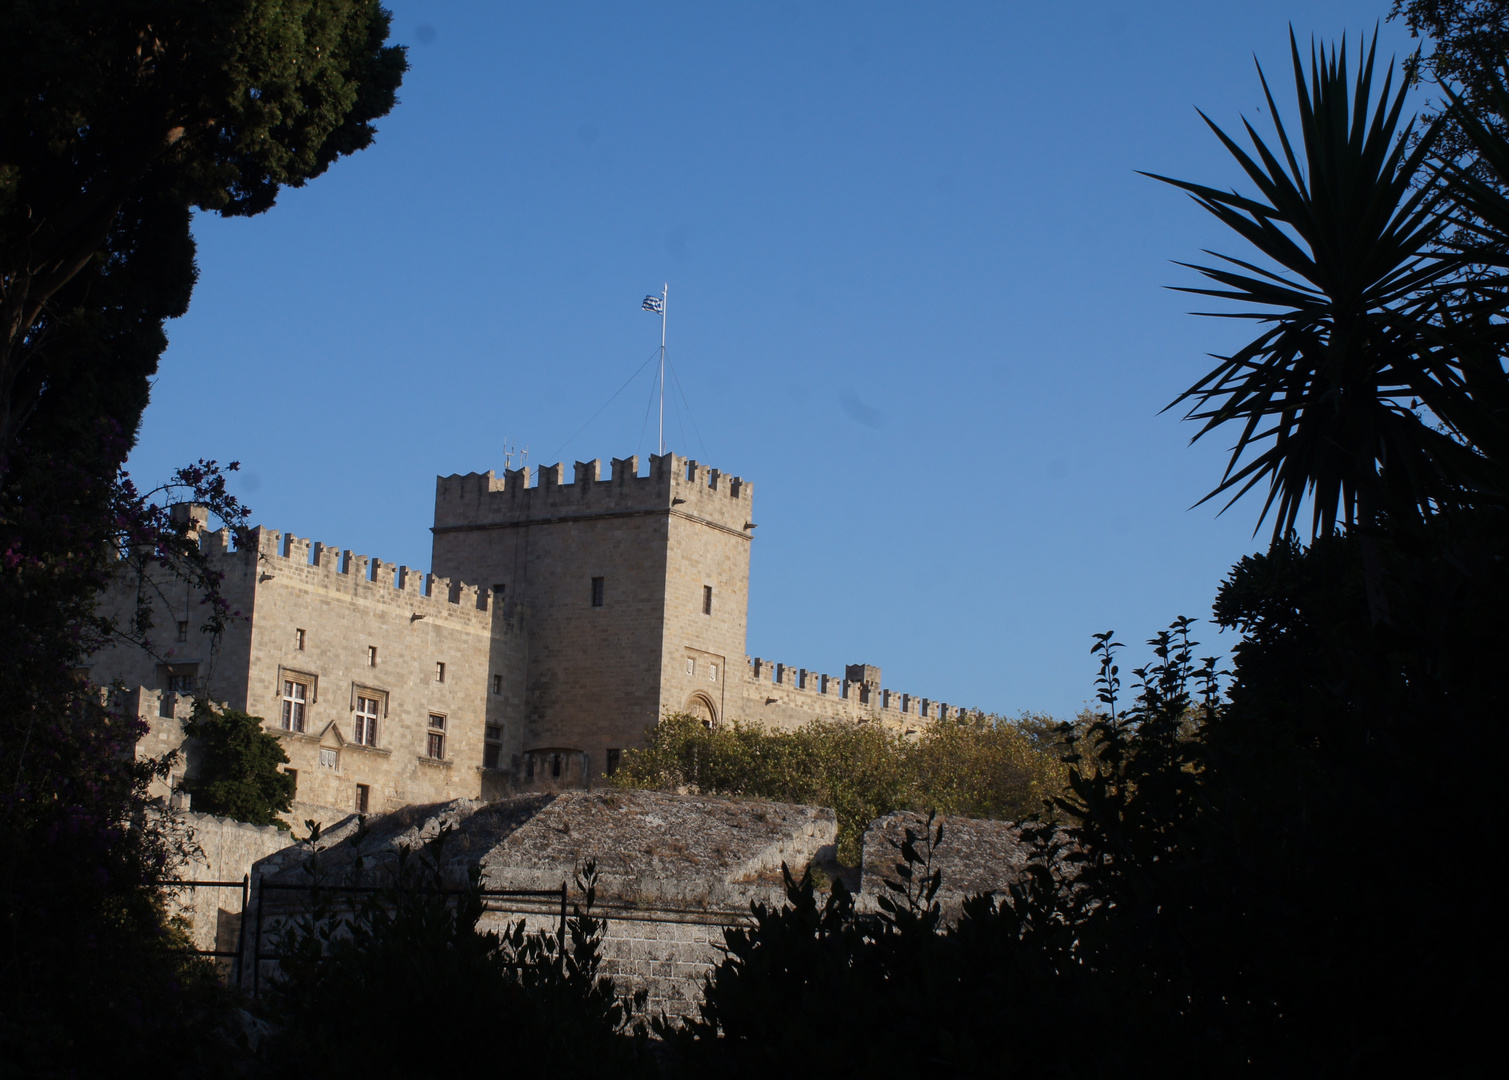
x: 1335, y: 397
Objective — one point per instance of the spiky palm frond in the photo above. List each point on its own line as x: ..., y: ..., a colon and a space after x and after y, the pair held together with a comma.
x: 1327, y: 396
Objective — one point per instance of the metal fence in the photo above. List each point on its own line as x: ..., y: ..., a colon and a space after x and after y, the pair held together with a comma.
x: 264, y: 886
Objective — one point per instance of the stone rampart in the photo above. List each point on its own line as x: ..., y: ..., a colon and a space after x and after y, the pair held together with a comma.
x: 674, y: 483
x: 224, y: 850
x: 782, y: 697
x: 326, y: 566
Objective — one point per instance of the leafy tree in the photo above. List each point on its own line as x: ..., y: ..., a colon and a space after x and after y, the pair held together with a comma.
x: 118, y: 118
x: 238, y: 774
x: 1465, y: 43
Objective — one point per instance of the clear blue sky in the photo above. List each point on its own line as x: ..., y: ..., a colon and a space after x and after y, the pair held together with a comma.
x: 916, y: 297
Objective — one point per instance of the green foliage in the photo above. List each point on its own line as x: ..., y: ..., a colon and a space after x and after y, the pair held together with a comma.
x: 238, y: 775
x: 119, y: 117
x: 979, y: 767
x: 401, y: 982
x: 1352, y: 218
x: 896, y: 993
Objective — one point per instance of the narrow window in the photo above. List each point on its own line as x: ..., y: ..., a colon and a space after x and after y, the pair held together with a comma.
x: 295, y: 696
x: 363, y: 798
x: 295, y: 774
x: 691, y: 666
x: 497, y: 684
x: 366, y: 721
x: 498, y: 591
x: 712, y: 672
x: 436, y: 745
x: 614, y: 756
x: 183, y: 631
x: 529, y: 766
x: 707, y: 599
x: 439, y: 671
x: 597, y: 592
x: 555, y: 765
x: 371, y: 655
x: 298, y: 640
x: 492, y: 746
x: 330, y: 759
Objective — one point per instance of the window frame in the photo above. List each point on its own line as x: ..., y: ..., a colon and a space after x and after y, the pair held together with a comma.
x: 492, y: 745
x: 291, y: 701
x: 707, y: 599
x: 435, y: 737
x: 363, y: 723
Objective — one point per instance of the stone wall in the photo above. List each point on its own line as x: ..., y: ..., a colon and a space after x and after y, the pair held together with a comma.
x: 600, y: 673
x: 225, y: 850
x: 437, y: 656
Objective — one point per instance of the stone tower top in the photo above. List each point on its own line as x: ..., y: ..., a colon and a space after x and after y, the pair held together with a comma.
x: 674, y: 483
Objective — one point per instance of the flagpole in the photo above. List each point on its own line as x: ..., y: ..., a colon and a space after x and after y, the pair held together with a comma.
x: 665, y: 295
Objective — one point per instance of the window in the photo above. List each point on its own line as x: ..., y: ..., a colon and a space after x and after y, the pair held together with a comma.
x: 436, y: 746
x: 295, y: 695
x: 707, y: 599
x: 295, y: 774
x: 363, y: 798
x: 597, y: 592
x: 529, y: 766
x: 497, y: 684
x: 298, y: 640
x: 555, y: 765
x: 330, y: 759
x: 366, y: 721
x: 183, y: 631
x: 492, y: 747
x: 181, y: 679
x: 439, y: 671
x: 614, y: 756
x: 498, y: 591
x: 371, y: 655
x: 712, y: 672
x: 691, y: 666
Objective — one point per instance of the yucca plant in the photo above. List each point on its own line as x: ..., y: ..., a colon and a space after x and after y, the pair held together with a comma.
x: 1354, y: 392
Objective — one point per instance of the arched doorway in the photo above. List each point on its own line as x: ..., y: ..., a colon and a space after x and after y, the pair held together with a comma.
x: 701, y: 706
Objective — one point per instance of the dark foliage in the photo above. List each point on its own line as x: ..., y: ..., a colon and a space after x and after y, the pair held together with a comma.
x: 1464, y: 42
x: 118, y: 118
x: 402, y: 983
x: 238, y: 774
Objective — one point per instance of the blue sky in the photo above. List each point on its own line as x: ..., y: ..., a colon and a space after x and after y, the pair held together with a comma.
x: 917, y: 297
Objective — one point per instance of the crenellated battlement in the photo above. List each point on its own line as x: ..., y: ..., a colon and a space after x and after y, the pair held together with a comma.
x: 863, y: 694
x: 673, y: 483
x: 320, y: 565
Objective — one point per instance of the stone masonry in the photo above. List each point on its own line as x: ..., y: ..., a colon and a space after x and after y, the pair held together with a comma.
x: 674, y: 871
x: 561, y: 621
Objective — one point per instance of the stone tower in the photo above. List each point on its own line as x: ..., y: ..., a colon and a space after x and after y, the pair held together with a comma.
x: 637, y: 589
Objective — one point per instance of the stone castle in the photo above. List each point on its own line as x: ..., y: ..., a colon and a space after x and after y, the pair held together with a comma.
x: 559, y: 622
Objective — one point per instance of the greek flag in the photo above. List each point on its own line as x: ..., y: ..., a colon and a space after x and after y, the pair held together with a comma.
x: 655, y: 304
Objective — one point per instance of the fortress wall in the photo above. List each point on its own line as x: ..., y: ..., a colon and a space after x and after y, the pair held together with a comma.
x: 484, y: 499
x: 598, y: 676
x: 347, y: 604
x: 226, y: 851
x: 781, y: 697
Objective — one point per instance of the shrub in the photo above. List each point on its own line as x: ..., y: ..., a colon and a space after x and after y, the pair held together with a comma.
x: 983, y: 766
